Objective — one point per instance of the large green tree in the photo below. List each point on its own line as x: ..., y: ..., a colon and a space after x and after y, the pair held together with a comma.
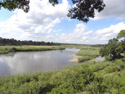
x: 83, y: 10
x: 115, y: 47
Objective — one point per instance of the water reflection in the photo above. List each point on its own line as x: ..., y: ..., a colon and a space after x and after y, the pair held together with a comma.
x: 44, y: 61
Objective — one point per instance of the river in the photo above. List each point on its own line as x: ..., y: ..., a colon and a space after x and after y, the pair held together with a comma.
x: 30, y: 62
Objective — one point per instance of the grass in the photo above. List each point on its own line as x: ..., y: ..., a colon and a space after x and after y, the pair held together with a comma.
x: 87, y: 53
x: 90, y: 78
x: 7, y: 49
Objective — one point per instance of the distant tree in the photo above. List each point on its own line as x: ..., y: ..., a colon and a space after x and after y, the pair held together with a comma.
x: 83, y: 10
x: 115, y: 48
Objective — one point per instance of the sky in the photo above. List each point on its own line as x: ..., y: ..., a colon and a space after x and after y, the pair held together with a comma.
x: 44, y: 22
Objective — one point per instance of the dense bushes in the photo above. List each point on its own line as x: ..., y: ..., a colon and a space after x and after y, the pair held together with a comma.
x: 94, y: 78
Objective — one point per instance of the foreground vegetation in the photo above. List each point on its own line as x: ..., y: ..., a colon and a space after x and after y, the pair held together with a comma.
x: 90, y: 78
x: 7, y: 49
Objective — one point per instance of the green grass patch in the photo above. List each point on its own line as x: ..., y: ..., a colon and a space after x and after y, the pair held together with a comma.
x: 88, y: 53
x: 85, y: 58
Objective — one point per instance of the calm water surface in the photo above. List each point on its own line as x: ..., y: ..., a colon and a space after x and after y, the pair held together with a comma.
x: 29, y: 62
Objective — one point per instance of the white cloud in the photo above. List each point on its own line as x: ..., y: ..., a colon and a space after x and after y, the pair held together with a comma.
x: 80, y: 35
x: 38, y: 24
x: 41, y: 18
x: 114, y: 8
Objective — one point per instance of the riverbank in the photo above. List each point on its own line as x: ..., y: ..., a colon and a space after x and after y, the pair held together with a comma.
x: 8, y: 49
x: 90, y: 77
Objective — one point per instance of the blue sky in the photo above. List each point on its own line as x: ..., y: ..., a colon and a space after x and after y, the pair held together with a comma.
x: 47, y: 23
x: 91, y: 25
x: 5, y: 14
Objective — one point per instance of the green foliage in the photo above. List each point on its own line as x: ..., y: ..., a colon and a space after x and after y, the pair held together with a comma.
x: 85, y: 9
x: 85, y: 58
x: 13, y: 4
x: 121, y: 34
x: 114, y: 49
x: 53, y: 2
x: 87, y: 53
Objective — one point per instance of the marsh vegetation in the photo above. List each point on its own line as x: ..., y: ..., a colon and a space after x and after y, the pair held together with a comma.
x: 88, y: 53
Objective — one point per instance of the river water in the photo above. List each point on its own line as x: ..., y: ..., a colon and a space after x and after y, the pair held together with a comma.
x: 29, y: 62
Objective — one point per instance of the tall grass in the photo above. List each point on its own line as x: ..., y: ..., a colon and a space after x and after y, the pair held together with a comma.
x: 88, y: 53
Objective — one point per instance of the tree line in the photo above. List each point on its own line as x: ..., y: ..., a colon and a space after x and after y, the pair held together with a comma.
x: 4, y: 41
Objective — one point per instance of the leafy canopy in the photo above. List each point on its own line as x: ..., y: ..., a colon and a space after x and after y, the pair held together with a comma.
x: 83, y: 10
x: 115, y: 48
x: 13, y: 4
x: 121, y: 34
